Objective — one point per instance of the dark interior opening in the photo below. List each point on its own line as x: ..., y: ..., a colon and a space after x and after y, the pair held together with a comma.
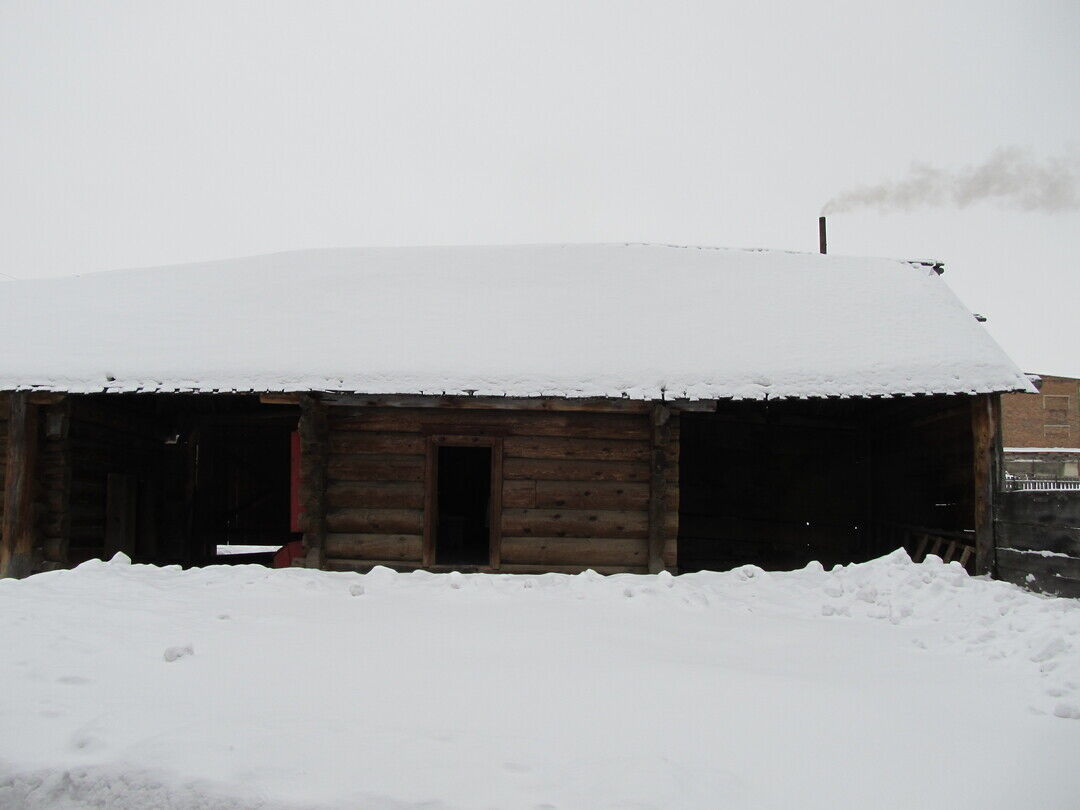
x: 463, y: 533
x: 779, y: 484
x: 171, y: 478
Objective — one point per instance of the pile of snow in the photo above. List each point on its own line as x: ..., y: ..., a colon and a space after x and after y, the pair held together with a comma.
x: 640, y: 321
x: 881, y: 685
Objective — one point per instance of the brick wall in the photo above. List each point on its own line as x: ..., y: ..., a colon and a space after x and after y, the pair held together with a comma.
x: 1050, y: 418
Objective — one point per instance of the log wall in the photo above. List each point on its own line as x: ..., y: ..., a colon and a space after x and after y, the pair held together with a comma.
x: 575, y: 486
x: 5, y: 407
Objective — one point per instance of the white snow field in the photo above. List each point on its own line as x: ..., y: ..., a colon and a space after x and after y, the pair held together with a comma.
x: 882, y: 685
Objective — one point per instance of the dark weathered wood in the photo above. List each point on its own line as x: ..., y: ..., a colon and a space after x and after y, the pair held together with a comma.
x: 1025, y: 537
x: 121, y: 499
x: 362, y: 566
x: 18, y: 539
x: 314, y: 447
x: 660, y: 437
x: 1048, y: 509
x: 375, y: 494
x: 429, y: 421
x: 1041, y: 563
x: 576, y: 470
x: 407, y: 547
x: 531, y: 494
x: 572, y: 447
x: 376, y: 521
x: 575, y: 523
x: 356, y: 467
x: 495, y: 505
x: 508, y: 568
x: 542, y: 404
x: 984, y: 432
x: 431, y: 501
x: 560, y: 551
x: 285, y: 398
x: 1039, y: 581
x: 364, y: 442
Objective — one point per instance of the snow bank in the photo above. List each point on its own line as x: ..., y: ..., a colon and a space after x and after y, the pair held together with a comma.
x: 640, y: 321
x: 883, y: 685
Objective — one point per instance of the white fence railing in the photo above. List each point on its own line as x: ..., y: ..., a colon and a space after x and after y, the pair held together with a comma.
x: 1040, y: 485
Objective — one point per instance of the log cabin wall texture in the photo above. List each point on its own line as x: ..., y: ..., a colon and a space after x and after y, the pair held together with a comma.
x: 575, y: 487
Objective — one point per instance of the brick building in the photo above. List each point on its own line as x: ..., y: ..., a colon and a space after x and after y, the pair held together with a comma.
x: 1041, y: 432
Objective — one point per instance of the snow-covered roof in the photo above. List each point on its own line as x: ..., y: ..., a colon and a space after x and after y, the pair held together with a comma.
x: 620, y: 320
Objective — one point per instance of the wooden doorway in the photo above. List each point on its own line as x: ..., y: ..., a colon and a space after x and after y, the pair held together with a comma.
x: 463, y: 502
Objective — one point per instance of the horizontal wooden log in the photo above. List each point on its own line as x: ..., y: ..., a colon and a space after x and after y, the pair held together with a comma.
x: 495, y: 423
x: 574, y: 523
x: 352, y: 441
x: 1039, y: 508
x: 374, y: 546
x: 1055, y: 565
x: 374, y: 468
x: 532, y: 494
x: 473, y: 403
x: 579, y: 448
x: 575, y: 470
x: 574, y: 551
x: 1037, y: 538
x: 375, y: 521
x: 375, y: 494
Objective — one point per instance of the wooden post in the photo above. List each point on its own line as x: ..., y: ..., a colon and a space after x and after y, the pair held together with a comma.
x: 18, y: 539
x: 314, y: 447
x: 660, y: 433
x: 121, y: 493
x: 986, y: 435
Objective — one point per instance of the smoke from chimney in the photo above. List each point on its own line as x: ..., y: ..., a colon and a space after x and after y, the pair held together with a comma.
x: 1010, y: 176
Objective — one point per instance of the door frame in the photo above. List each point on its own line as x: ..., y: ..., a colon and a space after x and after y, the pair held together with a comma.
x: 431, y: 493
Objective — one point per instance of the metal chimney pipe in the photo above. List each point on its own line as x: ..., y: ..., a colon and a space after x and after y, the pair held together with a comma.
x: 821, y: 235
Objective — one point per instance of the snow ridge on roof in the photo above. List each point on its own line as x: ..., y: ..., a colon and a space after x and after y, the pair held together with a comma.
x: 617, y: 320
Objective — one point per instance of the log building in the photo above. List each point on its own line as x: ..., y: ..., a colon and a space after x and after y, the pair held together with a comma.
x: 624, y: 408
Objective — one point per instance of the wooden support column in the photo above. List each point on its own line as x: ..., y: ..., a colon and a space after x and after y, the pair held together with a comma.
x: 314, y: 448
x: 986, y: 434
x: 18, y: 539
x: 660, y: 419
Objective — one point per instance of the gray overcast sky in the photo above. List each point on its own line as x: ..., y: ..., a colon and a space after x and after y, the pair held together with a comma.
x: 142, y: 133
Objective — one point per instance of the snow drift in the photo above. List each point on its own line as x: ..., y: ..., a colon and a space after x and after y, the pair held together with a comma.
x: 883, y: 685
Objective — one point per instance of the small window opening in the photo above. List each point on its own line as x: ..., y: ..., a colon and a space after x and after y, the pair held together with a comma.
x: 463, y: 533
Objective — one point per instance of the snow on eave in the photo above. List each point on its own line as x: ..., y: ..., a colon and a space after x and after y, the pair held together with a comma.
x: 627, y: 321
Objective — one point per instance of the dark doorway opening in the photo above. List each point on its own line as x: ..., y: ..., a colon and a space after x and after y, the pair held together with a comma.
x: 463, y: 531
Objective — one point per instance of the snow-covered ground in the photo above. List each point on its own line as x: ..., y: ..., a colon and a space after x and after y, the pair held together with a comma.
x: 884, y: 685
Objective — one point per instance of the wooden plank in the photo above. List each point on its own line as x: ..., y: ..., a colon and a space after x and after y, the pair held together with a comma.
x: 984, y: 431
x: 1039, y: 581
x: 575, y: 470
x: 314, y: 436
x: 406, y: 547
x: 495, y: 504
x: 362, y: 566
x: 470, y: 403
x: 431, y: 501
x: 574, y: 551
x: 375, y: 521
x: 657, y: 513
x: 352, y: 441
x: 519, y: 494
x: 374, y: 467
x: 507, y: 423
x: 592, y: 495
x: 1026, y: 537
x: 575, y: 523
x: 18, y: 538
x: 576, y: 447
x: 1050, y: 509
x: 1054, y: 565
x: 375, y: 494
